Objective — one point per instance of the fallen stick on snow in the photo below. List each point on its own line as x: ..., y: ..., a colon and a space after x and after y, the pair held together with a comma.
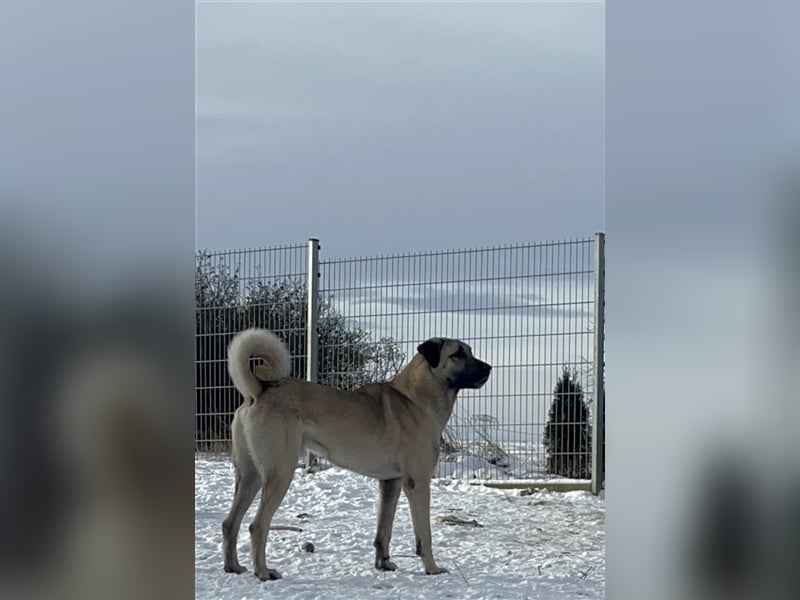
x: 284, y: 528
x: 453, y: 520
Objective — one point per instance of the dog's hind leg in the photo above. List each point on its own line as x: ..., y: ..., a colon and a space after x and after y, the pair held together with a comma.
x: 387, y: 506
x: 246, y: 487
x: 276, y: 484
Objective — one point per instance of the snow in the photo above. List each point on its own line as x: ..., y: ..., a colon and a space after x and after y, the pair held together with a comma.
x: 545, y: 545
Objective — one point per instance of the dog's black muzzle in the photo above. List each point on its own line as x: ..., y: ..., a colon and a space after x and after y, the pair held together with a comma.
x: 475, y: 377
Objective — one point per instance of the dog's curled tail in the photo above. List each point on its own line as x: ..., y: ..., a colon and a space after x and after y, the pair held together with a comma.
x: 265, y: 345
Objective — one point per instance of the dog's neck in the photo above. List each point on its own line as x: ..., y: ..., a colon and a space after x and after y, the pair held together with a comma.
x: 439, y: 400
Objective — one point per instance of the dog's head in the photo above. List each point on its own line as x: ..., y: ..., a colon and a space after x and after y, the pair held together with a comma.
x: 452, y: 361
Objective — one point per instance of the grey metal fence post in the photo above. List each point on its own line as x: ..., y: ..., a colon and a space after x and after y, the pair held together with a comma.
x: 312, y: 318
x: 599, y: 412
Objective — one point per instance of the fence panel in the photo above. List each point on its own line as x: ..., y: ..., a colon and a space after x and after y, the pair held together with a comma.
x: 234, y: 290
x: 527, y: 309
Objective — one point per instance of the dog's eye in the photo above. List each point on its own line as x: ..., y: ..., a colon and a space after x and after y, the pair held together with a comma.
x: 459, y: 354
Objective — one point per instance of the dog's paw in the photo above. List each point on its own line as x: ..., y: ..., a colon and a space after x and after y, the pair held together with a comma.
x: 268, y: 574
x: 435, y: 570
x: 238, y: 569
x: 384, y: 564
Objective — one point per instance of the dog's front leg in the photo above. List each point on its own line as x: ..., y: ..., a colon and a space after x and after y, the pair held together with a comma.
x: 418, y: 492
x: 387, y: 505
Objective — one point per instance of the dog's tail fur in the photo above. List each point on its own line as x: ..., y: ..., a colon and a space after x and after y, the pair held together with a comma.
x: 265, y: 345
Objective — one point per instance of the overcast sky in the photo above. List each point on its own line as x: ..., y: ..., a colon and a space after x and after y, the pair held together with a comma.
x: 399, y: 127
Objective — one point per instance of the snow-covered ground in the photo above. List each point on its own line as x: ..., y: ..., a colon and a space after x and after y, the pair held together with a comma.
x: 545, y: 545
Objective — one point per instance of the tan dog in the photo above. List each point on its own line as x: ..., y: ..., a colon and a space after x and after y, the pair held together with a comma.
x: 390, y: 431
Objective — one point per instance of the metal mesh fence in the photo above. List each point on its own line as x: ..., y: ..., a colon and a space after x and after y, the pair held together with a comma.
x: 527, y: 309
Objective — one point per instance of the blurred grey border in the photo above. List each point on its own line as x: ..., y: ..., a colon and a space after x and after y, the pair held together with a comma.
x: 96, y: 240
x: 703, y: 476
x: 96, y: 324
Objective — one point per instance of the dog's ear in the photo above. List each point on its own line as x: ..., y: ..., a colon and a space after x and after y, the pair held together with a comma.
x: 431, y: 350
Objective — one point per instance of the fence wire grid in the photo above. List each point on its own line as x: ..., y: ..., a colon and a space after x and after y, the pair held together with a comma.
x: 528, y: 309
